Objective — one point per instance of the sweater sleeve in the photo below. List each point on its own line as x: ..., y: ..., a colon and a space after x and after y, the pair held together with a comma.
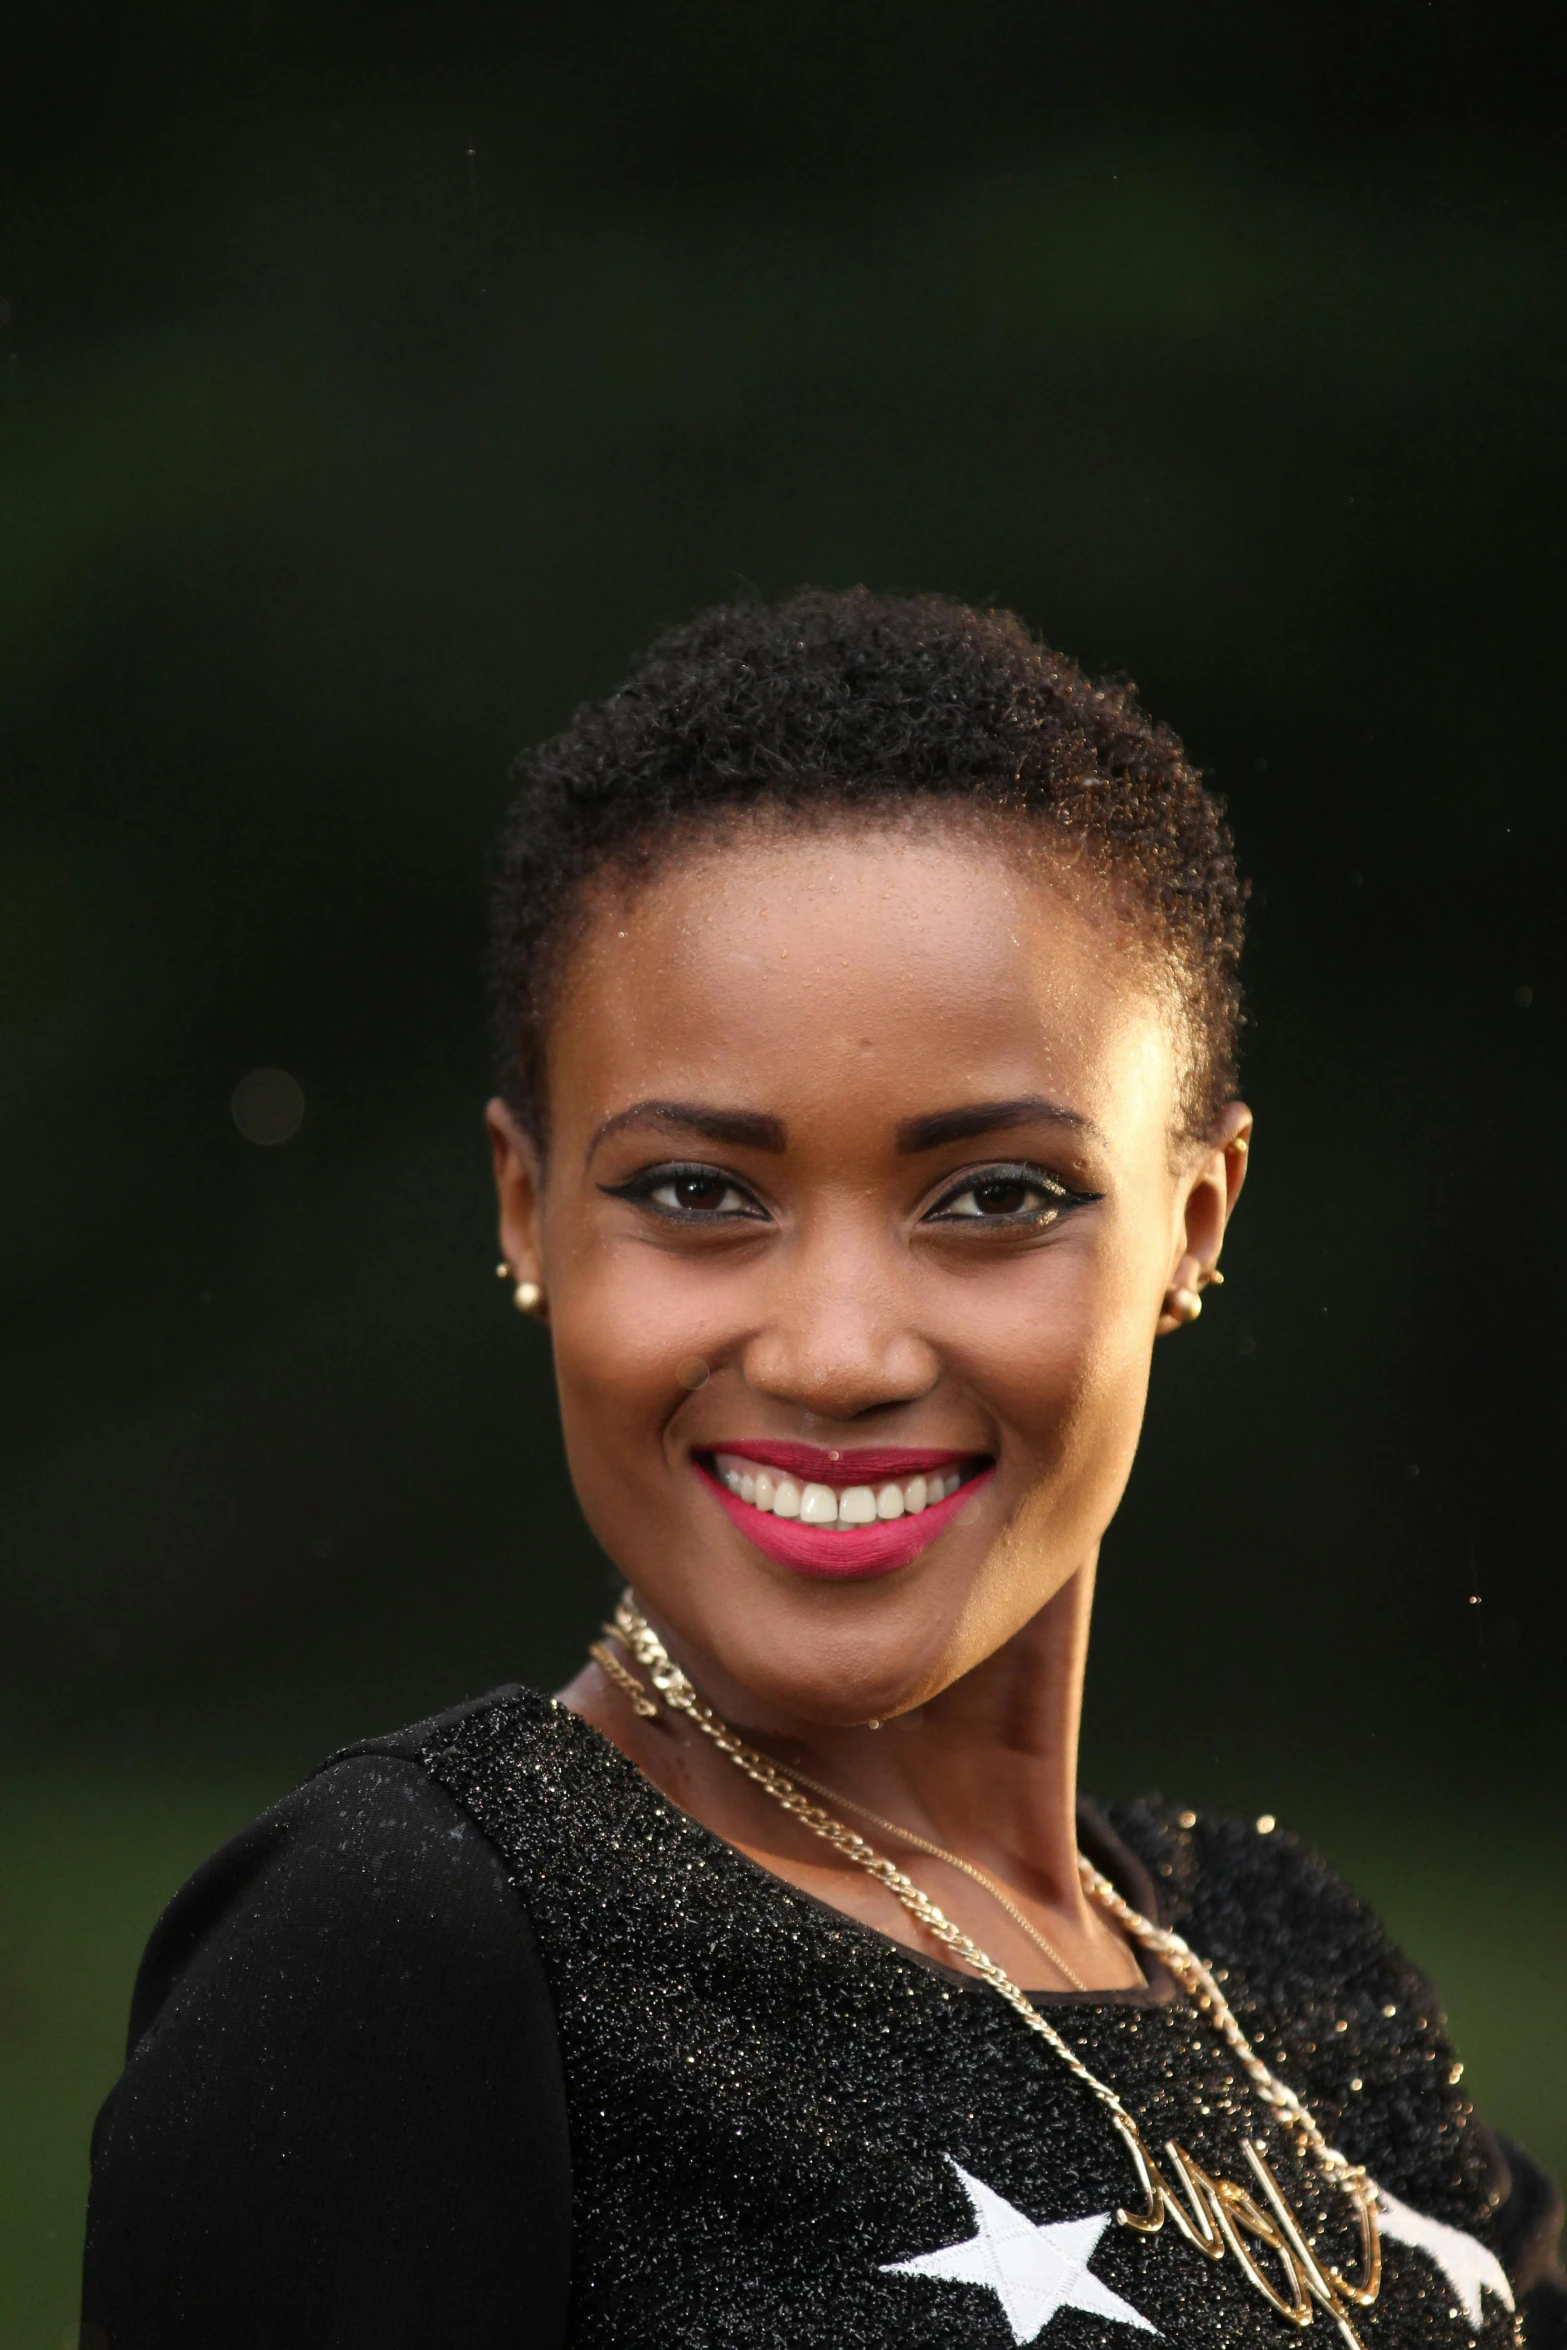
x: 1528, y: 2227
x: 342, y: 2123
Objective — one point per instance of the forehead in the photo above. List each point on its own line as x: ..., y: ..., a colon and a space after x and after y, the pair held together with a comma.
x: 792, y: 963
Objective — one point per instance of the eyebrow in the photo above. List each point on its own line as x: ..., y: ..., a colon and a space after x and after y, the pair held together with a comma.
x: 1026, y: 1109
x: 745, y: 1129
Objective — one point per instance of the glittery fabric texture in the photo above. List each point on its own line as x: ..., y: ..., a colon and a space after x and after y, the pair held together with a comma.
x: 771, y: 2106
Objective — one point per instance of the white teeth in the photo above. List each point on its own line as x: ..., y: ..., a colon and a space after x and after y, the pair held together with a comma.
x: 825, y: 1505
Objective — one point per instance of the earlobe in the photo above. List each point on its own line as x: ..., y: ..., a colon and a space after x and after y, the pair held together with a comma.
x: 1209, y: 1206
x: 1183, y: 1298
x: 1214, y: 1191
x: 516, y: 1165
x: 527, y: 1296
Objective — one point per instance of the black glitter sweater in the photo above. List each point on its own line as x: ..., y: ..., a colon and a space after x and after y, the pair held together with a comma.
x: 476, y: 2039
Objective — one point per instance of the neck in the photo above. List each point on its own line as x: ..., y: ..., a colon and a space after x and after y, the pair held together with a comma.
x: 988, y: 1768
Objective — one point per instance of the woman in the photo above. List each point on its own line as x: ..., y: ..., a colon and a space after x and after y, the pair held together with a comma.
x: 867, y: 995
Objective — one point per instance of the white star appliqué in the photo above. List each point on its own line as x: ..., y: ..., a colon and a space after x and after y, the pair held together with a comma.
x: 1033, y: 2271
x: 1463, y: 2260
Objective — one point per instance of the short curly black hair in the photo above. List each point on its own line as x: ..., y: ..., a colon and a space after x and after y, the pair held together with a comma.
x: 829, y: 704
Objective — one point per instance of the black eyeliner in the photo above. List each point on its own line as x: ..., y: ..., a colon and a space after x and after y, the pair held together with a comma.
x: 1022, y: 1172
x: 639, y: 1190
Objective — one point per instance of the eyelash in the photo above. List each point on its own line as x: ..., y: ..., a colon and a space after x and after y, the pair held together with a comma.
x: 641, y: 1190
x: 642, y: 1187
x: 1024, y: 1177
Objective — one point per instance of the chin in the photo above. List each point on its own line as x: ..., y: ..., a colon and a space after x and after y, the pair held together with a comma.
x: 763, y: 1635
x: 832, y: 1655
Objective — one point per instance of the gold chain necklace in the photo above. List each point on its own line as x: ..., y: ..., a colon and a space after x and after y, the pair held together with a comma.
x: 953, y: 1860
x: 1213, y: 2214
x: 609, y: 1663
x: 604, y: 1657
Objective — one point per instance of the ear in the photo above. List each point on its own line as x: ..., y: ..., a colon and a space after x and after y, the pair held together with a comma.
x: 1212, y: 1188
x: 518, y: 1189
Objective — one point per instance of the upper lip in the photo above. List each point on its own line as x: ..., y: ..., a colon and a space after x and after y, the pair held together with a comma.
x: 846, y: 1464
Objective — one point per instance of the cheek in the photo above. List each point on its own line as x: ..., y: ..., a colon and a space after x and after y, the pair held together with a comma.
x: 629, y: 1349
x: 1067, y: 1375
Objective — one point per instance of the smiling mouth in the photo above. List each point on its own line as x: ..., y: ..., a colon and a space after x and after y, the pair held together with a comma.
x: 818, y: 1504
x: 845, y: 1513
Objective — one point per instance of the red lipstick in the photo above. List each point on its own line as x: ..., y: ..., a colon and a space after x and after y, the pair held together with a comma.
x: 843, y: 1553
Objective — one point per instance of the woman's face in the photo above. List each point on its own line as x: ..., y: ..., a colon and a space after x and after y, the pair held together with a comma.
x: 861, y: 1205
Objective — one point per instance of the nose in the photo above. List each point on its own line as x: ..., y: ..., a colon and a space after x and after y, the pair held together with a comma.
x: 839, y: 1337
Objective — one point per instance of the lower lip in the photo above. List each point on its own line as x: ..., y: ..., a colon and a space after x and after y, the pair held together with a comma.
x: 843, y: 1555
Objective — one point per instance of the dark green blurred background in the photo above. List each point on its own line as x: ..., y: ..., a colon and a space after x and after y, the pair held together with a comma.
x: 374, y: 382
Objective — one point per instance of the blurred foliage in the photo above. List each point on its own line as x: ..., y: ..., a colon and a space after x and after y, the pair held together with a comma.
x: 372, y: 386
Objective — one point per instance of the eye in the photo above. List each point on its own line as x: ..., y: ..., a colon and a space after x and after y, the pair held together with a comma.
x: 689, y: 1194
x: 698, y: 1195
x: 1005, y: 1195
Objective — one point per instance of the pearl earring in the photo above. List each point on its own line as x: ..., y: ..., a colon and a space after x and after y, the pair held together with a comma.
x: 1185, y: 1304
x: 528, y: 1296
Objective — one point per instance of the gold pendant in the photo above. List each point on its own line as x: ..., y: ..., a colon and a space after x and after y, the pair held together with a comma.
x: 1218, y: 2217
